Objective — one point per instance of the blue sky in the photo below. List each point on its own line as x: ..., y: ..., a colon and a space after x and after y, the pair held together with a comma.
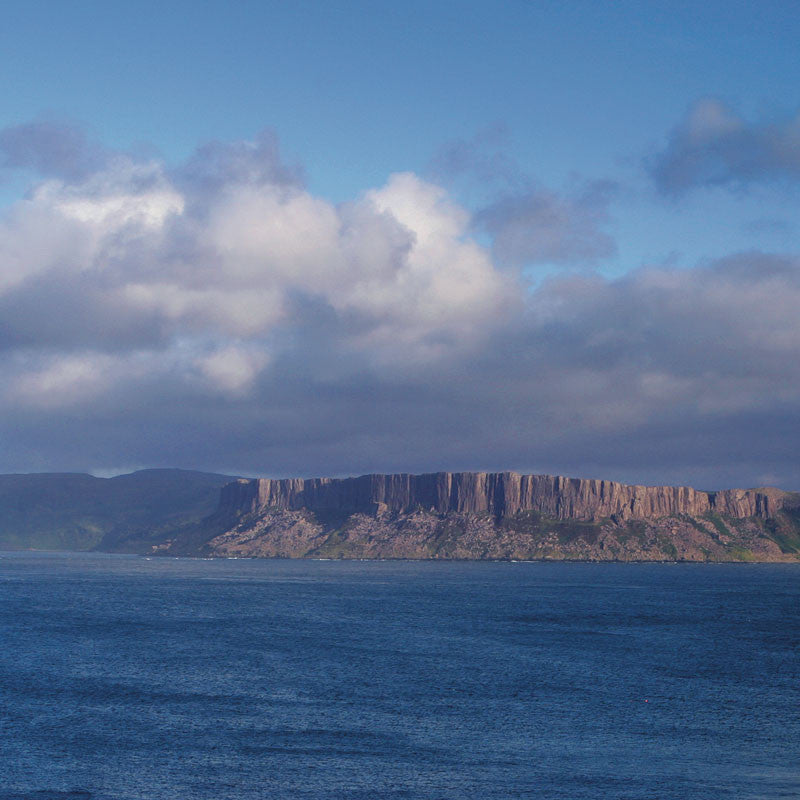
x: 588, y: 157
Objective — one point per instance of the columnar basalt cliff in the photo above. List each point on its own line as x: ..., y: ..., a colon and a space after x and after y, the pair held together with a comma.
x: 501, y: 494
x: 504, y: 515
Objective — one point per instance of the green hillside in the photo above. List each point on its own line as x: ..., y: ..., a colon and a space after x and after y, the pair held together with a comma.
x: 69, y: 511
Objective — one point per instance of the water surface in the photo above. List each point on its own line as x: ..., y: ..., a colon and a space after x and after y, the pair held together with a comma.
x: 125, y: 678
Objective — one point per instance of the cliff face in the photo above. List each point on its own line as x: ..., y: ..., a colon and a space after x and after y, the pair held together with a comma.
x: 495, y: 516
x: 500, y: 494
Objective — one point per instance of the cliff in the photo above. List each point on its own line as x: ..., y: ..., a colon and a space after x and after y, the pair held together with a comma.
x: 501, y: 494
x: 494, y: 515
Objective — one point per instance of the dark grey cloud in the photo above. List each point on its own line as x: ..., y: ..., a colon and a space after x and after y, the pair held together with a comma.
x: 60, y: 312
x: 715, y: 146
x: 274, y: 333
x: 53, y: 149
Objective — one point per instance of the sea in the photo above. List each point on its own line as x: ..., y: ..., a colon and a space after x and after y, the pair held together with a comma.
x: 133, y: 678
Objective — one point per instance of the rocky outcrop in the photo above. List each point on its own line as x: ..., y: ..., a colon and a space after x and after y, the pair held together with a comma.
x: 500, y: 494
x: 276, y: 533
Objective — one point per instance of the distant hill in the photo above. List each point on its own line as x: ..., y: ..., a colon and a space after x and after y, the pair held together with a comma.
x: 127, y: 513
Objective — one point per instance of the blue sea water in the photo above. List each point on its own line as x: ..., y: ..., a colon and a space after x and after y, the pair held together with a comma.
x: 125, y: 678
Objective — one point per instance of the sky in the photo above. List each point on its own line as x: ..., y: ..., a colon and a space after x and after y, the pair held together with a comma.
x: 307, y: 238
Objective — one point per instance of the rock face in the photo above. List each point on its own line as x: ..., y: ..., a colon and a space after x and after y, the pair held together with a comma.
x: 494, y: 516
x: 500, y: 494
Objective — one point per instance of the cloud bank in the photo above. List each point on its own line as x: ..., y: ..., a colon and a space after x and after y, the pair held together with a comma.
x: 221, y: 316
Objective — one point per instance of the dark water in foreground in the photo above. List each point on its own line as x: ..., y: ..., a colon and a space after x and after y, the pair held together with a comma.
x: 129, y: 678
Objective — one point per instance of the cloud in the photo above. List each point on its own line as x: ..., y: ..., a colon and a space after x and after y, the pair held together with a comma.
x: 226, y: 246
x: 225, y: 317
x: 245, y: 163
x: 62, y: 382
x: 483, y: 159
x: 539, y: 226
x: 232, y: 369
x: 527, y: 223
x: 715, y: 146
x: 52, y: 149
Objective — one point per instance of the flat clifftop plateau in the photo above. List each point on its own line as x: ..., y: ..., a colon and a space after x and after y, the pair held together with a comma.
x: 504, y: 515
x: 501, y: 494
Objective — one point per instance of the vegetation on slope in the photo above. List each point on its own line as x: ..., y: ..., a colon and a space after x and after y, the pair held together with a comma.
x: 127, y: 513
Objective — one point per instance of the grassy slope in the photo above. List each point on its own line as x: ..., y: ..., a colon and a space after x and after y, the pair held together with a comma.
x: 67, y: 511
